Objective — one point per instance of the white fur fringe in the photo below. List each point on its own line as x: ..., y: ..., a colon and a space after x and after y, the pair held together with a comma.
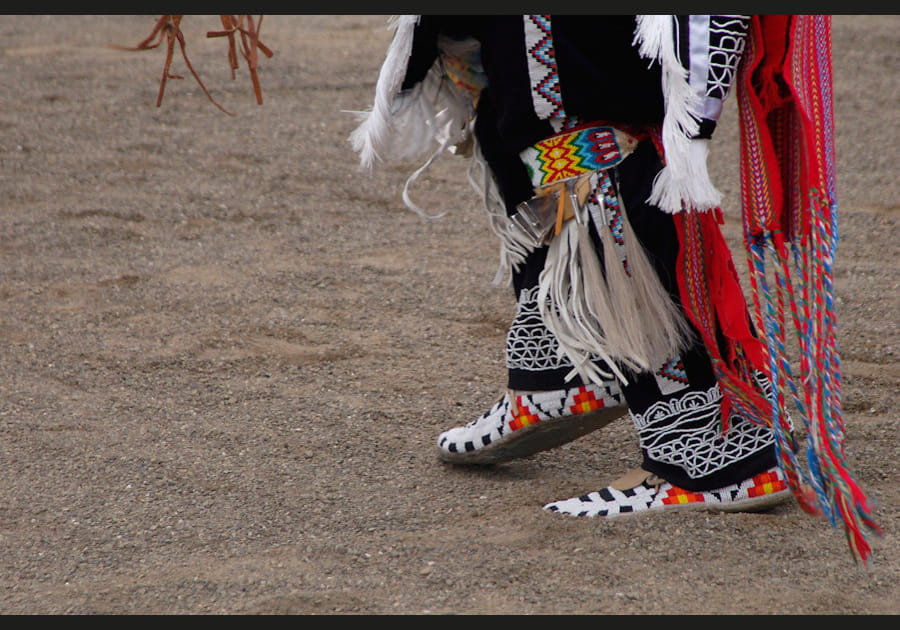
x: 684, y: 183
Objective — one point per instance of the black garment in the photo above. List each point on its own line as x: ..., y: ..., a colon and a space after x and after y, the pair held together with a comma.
x: 600, y: 77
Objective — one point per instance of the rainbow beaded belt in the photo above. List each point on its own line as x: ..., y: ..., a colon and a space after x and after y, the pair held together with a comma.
x: 560, y: 168
x: 569, y: 154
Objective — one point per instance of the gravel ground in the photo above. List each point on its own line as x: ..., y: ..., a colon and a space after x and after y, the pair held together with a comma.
x: 226, y: 356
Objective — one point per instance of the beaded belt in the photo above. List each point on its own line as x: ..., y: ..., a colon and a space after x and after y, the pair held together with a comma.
x: 560, y: 168
x: 573, y: 153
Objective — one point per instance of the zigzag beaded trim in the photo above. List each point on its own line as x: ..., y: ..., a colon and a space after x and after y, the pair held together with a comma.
x: 573, y: 153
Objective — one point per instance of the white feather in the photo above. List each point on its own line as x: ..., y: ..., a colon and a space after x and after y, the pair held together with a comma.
x: 374, y: 129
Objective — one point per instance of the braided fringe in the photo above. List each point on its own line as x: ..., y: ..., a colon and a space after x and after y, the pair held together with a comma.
x: 793, y: 223
x: 770, y: 311
x: 835, y: 493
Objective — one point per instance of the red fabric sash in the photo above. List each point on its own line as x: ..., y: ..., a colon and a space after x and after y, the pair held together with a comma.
x: 788, y: 207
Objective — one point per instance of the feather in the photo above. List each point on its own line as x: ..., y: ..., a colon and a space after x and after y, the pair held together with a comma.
x: 374, y: 129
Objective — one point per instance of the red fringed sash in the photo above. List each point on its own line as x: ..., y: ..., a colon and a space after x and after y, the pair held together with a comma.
x: 785, y: 101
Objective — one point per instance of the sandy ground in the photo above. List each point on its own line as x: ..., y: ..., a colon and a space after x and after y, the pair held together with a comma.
x: 225, y: 357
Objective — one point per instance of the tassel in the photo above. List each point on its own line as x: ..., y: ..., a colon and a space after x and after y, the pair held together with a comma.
x: 632, y: 338
x: 684, y: 183
x: 651, y: 327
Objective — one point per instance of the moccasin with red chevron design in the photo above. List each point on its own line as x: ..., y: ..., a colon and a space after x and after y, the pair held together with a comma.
x: 537, y: 422
x: 640, y: 491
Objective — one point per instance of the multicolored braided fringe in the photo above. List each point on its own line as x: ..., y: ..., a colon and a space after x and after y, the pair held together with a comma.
x: 789, y: 210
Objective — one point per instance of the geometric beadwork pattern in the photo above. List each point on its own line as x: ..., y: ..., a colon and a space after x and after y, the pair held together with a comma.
x: 533, y: 408
x: 671, y: 377
x: 530, y: 346
x: 571, y: 154
x: 542, y: 68
x: 546, y: 96
x: 654, y: 494
x: 685, y: 431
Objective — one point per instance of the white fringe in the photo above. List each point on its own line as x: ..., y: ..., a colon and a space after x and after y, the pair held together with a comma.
x: 633, y: 337
x: 664, y: 331
x: 626, y: 318
x: 571, y: 314
x: 513, y: 250
x: 684, y: 183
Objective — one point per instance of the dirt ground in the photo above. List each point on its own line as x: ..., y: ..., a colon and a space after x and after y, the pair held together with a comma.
x: 226, y: 356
